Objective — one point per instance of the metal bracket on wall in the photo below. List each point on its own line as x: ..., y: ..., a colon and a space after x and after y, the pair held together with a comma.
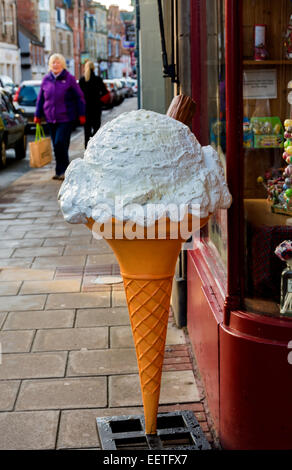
x: 169, y: 70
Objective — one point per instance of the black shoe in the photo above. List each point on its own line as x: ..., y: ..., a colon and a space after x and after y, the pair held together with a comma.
x: 58, y: 177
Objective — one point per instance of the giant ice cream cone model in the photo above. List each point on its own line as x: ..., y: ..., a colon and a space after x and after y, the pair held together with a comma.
x: 140, y: 169
x: 147, y: 267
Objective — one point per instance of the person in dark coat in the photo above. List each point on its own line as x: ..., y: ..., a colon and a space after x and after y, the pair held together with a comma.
x: 93, y: 89
x: 61, y: 102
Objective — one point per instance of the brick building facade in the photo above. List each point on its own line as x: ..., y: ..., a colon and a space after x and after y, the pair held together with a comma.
x: 75, y: 20
x: 9, y: 51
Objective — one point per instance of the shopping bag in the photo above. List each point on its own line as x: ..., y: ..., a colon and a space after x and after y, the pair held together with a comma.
x: 40, y: 151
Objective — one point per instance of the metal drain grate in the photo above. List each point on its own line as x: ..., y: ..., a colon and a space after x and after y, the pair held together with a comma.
x: 175, y: 430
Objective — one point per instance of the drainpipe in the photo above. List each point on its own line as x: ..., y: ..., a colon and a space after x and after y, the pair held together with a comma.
x: 137, y: 52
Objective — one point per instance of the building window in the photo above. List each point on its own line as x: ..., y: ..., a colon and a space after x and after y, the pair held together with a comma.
x: 3, y: 15
x: 69, y: 45
x: 12, y: 21
x: 60, y: 43
x: 44, y: 5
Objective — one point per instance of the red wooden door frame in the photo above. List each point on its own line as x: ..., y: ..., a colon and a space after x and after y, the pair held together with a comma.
x: 234, y: 156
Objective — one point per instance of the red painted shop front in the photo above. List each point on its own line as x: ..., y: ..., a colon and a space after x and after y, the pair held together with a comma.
x: 239, y: 336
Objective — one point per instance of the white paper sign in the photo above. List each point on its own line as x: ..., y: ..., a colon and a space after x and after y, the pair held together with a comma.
x: 260, y: 84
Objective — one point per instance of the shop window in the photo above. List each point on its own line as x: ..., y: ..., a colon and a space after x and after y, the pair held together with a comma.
x: 214, y: 236
x: 267, y: 75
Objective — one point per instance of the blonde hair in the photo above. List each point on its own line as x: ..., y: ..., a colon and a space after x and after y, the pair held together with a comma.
x: 58, y: 57
x: 87, y: 69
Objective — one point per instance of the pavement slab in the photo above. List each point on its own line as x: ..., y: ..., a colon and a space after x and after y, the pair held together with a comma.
x: 78, y: 427
x: 39, y: 319
x: 70, y: 339
x: 78, y: 300
x: 47, y: 233
x: 16, y: 341
x: 176, y: 387
x: 54, y: 261
x: 36, y: 365
x: 37, y: 251
x: 9, y: 288
x: 8, y: 392
x: 17, y: 235
x: 119, y: 298
x: 63, y: 241
x: 3, y: 223
x: 42, y: 287
x: 22, y: 302
x: 62, y: 393
x: 2, y: 318
x: 102, y: 258
x: 40, y: 213
x: 15, y: 262
x: 102, y: 362
x: 87, y: 250
x: 102, y: 316
x: 121, y: 336
x: 21, y: 243
x: 5, y: 252
x: 4, y: 216
x: 14, y: 273
x: 28, y: 430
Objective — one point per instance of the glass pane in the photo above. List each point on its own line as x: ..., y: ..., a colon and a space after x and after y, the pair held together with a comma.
x: 267, y: 75
x: 28, y: 95
x: 213, y: 77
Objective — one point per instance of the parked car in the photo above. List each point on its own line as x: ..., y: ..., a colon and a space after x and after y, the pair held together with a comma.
x: 12, y: 129
x: 127, y: 85
x: 122, y: 90
x: 111, y: 100
x: 109, y: 83
x: 133, y: 83
x: 25, y: 98
x: 8, y: 84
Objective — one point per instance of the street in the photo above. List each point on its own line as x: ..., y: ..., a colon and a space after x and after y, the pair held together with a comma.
x: 16, y: 168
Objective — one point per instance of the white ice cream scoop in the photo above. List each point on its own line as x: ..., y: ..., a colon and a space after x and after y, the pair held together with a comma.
x: 142, y: 166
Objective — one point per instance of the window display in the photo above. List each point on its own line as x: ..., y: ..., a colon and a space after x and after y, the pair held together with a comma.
x: 267, y: 152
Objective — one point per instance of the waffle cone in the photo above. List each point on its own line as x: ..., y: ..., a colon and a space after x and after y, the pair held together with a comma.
x: 147, y: 267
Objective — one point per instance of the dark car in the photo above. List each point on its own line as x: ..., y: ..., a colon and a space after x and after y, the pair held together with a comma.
x: 12, y: 129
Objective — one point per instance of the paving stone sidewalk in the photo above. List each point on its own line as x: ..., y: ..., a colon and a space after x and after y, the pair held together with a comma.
x: 67, y: 349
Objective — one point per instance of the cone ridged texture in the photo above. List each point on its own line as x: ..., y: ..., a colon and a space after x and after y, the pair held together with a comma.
x: 148, y: 304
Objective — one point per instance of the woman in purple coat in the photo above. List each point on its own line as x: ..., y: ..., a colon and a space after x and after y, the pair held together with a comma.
x: 61, y: 102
